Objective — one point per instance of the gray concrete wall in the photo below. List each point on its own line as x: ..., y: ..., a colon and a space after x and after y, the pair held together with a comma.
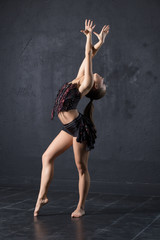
x: 41, y: 47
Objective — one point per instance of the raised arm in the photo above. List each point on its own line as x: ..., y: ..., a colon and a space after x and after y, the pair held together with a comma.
x: 101, y: 36
x: 88, y: 74
x: 87, y: 82
x: 95, y: 49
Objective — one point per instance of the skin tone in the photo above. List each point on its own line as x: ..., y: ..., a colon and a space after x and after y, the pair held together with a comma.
x: 98, y: 80
x: 64, y: 141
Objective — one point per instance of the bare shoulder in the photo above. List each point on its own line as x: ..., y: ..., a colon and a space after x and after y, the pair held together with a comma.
x: 81, y: 86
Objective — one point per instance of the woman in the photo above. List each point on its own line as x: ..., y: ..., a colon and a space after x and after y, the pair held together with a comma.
x: 78, y: 129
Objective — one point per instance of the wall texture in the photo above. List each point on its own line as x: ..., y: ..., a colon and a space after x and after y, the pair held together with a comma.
x: 41, y: 47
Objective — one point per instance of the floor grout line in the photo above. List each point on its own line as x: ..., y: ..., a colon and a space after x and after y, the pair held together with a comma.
x: 124, y: 215
x: 158, y: 216
x: 129, y: 212
x: 109, y: 204
x: 15, y: 203
x: 15, y: 209
x: 105, y: 193
x: 14, y: 194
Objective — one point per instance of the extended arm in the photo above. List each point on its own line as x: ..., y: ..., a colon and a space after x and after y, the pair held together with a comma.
x: 101, y: 36
x: 87, y: 82
x: 88, y: 76
x: 95, y: 49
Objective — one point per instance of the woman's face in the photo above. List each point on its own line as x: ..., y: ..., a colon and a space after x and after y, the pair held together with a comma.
x: 98, y: 81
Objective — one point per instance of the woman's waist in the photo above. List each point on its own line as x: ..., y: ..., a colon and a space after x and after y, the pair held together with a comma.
x: 68, y: 116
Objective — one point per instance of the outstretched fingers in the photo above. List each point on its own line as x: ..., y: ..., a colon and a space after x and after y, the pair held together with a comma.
x: 89, y: 24
x: 106, y: 28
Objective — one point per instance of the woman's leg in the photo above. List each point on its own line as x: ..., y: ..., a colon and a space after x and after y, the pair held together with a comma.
x: 81, y: 160
x: 60, y: 144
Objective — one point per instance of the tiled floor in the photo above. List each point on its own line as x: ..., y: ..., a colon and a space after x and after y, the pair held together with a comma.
x: 107, y: 216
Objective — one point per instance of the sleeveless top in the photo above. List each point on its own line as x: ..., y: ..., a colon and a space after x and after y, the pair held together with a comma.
x: 67, y: 98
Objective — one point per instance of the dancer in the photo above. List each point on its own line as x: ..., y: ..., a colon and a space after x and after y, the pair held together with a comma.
x: 78, y: 130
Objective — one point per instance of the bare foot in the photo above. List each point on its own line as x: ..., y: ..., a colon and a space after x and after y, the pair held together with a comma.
x: 78, y: 212
x: 39, y: 204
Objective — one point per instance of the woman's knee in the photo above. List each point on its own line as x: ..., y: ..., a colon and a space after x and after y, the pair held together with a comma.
x: 82, y: 168
x: 47, y: 159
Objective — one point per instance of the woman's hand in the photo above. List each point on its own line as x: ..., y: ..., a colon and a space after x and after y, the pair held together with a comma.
x: 102, y: 35
x: 88, y: 27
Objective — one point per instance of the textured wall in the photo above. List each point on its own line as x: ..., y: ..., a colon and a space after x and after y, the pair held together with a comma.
x: 41, y: 48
